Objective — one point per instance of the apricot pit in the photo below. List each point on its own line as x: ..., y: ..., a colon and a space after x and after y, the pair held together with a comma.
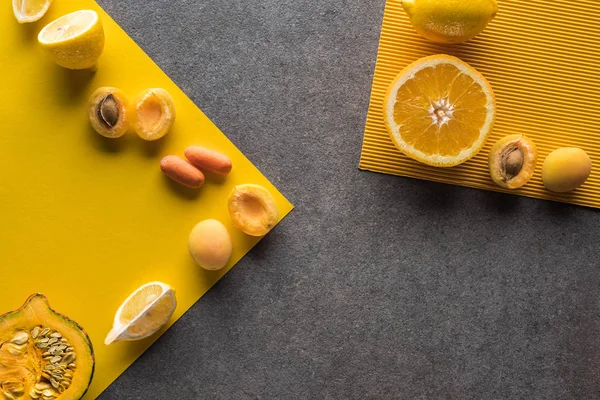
x: 108, y: 111
x: 512, y: 161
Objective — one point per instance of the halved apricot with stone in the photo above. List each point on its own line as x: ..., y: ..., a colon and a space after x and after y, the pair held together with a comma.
x: 109, y: 112
x: 512, y: 161
x: 253, y: 209
x: 155, y: 113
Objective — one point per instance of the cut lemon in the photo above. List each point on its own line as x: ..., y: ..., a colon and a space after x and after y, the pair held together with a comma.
x: 30, y: 10
x: 75, y: 40
x: 144, y: 312
x: 439, y: 111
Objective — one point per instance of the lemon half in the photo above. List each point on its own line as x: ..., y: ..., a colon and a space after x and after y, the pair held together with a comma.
x: 144, y: 312
x: 75, y: 40
x: 450, y: 21
x: 30, y: 10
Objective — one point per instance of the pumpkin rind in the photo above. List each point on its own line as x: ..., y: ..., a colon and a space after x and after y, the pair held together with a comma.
x: 36, y: 311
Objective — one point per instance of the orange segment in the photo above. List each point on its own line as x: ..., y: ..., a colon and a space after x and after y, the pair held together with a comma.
x: 439, y: 111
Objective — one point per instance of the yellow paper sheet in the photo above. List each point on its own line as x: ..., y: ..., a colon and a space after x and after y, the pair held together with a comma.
x: 86, y: 220
x: 543, y: 60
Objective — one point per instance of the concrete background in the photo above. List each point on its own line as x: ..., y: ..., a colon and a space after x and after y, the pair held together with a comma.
x: 375, y: 287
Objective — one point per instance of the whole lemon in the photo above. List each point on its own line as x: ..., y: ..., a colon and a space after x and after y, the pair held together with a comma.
x: 450, y: 21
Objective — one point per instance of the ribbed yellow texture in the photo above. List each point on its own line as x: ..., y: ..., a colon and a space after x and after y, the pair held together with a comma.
x: 543, y: 60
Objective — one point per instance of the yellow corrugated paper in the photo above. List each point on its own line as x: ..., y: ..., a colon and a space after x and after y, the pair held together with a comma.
x: 86, y: 220
x: 542, y: 59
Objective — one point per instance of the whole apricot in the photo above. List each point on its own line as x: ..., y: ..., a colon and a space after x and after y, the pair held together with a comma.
x: 210, y: 245
x: 566, y: 169
x: 512, y: 161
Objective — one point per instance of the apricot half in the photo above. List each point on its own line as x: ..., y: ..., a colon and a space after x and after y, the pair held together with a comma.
x: 566, y: 169
x: 155, y: 113
x: 109, y: 112
x: 512, y: 161
x: 253, y: 209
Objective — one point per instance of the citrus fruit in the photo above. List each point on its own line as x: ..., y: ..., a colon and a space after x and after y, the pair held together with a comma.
x: 450, y: 21
x: 439, y: 111
x: 30, y: 10
x: 144, y: 312
x: 75, y: 40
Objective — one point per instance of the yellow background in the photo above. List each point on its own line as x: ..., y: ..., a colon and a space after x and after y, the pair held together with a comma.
x: 543, y: 60
x: 86, y: 220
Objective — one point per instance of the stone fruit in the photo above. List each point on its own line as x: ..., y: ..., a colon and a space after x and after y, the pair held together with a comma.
x: 208, y: 160
x: 512, y: 161
x: 74, y: 41
x: 109, y: 112
x: 155, y: 113
x: 182, y: 172
x: 30, y: 10
x: 43, y: 354
x: 450, y: 21
x: 439, y: 111
x: 143, y: 313
x: 566, y: 169
x: 253, y: 209
x: 210, y: 244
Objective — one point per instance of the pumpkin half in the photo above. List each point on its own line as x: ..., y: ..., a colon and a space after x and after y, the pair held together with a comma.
x: 43, y: 354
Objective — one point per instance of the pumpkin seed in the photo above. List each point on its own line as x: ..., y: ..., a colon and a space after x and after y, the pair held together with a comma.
x: 58, y: 377
x: 68, y: 358
x: 72, y: 365
x: 54, y: 383
x: 42, y: 385
x: 64, y: 340
x: 20, y: 338
x: 14, y: 350
x: 45, y: 331
x: 56, y: 335
x: 55, y: 359
x: 52, y: 340
x: 9, y: 396
x: 69, y: 349
x: 34, y: 394
x: 43, y: 340
x: 35, y: 332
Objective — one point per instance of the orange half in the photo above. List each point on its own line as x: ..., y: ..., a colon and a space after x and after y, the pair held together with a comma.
x: 439, y: 110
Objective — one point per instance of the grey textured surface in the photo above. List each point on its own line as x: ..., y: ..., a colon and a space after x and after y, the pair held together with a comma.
x: 375, y: 287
